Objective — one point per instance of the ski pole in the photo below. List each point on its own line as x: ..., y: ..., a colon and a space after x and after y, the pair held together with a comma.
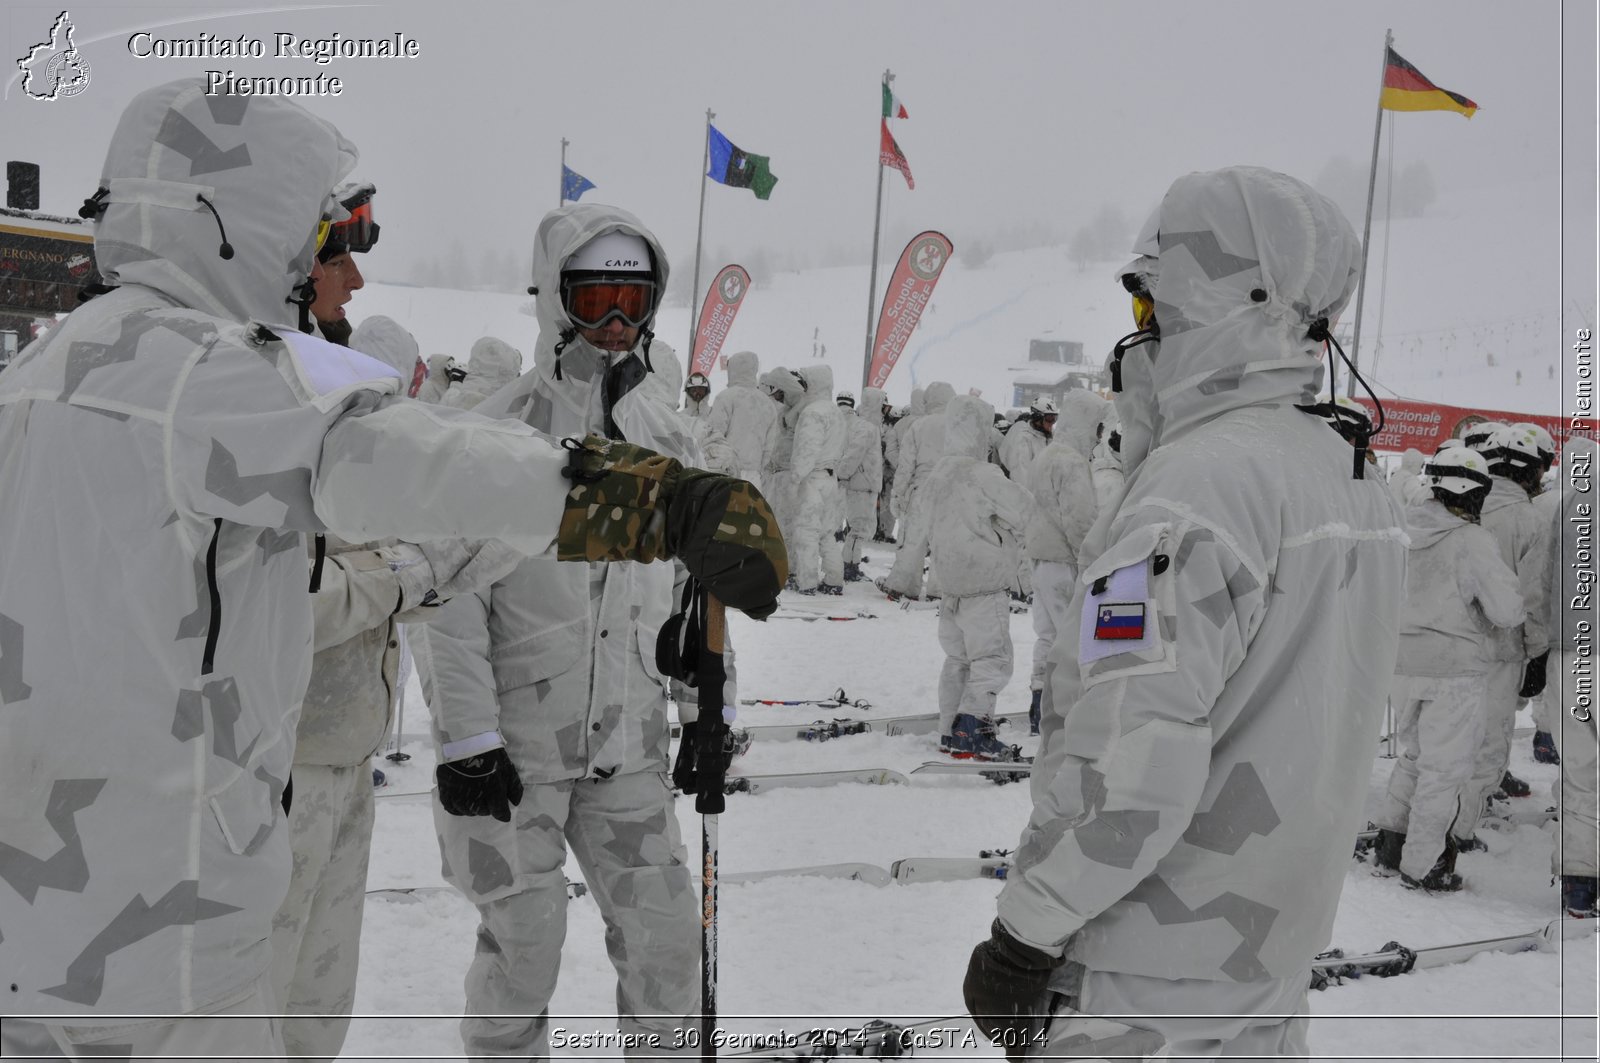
x: 399, y: 755
x: 710, y: 802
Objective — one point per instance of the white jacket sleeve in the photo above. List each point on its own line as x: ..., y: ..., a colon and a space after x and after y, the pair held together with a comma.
x: 1485, y: 578
x: 457, y: 679
x: 1124, y: 774
x: 357, y: 593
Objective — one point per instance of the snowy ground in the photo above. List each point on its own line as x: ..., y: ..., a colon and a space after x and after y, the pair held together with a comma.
x: 799, y: 952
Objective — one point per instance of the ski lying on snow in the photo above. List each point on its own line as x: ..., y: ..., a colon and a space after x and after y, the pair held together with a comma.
x: 800, y: 614
x: 574, y: 889
x: 914, y: 869
x: 871, y: 874
x: 999, y: 772
x: 1331, y: 968
x: 755, y: 784
x: 921, y: 724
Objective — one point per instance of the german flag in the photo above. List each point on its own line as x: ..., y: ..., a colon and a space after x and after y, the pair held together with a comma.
x: 1405, y: 89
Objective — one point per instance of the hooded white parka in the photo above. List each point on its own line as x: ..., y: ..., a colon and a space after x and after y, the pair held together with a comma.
x: 1198, y: 785
x: 495, y: 363
x: 1458, y: 590
x: 161, y: 463
x: 1062, y: 482
x: 976, y: 529
x: 558, y: 658
x: 921, y: 446
x: 743, y: 415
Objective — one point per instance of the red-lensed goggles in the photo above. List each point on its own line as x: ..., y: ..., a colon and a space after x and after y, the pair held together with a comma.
x: 593, y: 301
x: 359, y: 232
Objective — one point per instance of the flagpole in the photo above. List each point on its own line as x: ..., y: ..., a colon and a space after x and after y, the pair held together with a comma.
x: 872, y: 274
x: 699, y: 234
x: 563, y: 174
x: 1366, y: 229
x: 1383, y: 269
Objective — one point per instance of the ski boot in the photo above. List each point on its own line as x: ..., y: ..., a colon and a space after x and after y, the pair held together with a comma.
x: 852, y: 572
x: 972, y: 738
x: 1578, y: 895
x: 1544, y: 748
x: 1442, y: 878
x: 1034, y: 713
x: 738, y: 741
x: 830, y: 588
x: 1512, y: 786
x: 1473, y: 844
x: 1386, y: 853
x: 379, y: 779
x: 882, y: 583
x: 791, y: 585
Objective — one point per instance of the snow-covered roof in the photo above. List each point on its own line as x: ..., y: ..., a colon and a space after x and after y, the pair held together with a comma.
x: 1049, y: 374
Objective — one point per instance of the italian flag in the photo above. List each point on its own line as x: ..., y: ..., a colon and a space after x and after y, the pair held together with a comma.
x: 892, y: 107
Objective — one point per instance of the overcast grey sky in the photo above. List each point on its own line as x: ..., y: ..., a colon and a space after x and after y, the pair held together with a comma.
x: 1022, y: 113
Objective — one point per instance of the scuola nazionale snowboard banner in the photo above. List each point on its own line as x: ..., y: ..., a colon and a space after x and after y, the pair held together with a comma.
x: 909, y: 291
x: 716, y: 316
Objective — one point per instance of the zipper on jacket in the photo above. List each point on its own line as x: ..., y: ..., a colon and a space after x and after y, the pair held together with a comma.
x: 316, y: 566
x: 214, y: 629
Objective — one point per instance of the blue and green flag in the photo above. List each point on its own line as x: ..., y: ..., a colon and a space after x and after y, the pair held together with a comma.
x: 740, y: 169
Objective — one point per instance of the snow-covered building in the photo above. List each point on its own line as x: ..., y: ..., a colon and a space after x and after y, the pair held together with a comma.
x: 1054, y: 368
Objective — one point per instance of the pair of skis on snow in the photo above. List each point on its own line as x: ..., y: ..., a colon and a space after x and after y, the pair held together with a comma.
x: 994, y: 771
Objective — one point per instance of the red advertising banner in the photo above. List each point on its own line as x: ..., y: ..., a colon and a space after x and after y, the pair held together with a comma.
x: 716, y: 316
x: 1428, y: 425
x: 909, y: 291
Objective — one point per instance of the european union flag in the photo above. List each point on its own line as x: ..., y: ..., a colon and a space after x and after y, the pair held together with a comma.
x: 573, y: 184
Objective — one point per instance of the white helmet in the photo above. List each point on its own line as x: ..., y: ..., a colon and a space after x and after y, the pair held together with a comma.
x: 1477, y: 437
x: 846, y: 398
x: 697, y: 380
x: 1513, y: 451
x: 1459, y: 477
x: 1043, y: 407
x: 1547, y: 446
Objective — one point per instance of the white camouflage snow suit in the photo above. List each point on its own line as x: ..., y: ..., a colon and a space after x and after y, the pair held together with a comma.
x: 1510, y: 517
x: 860, y: 473
x: 1211, y: 710
x: 743, y: 415
x: 556, y: 662
x: 1062, y: 483
x: 161, y: 464
x: 820, y: 437
x: 494, y: 364
x: 921, y: 447
x: 1457, y: 589
x: 975, y: 533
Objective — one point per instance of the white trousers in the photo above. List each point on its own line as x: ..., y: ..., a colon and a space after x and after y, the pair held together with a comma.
x: 1578, y: 790
x: 816, y: 552
x: 1053, y: 585
x: 1500, y: 703
x: 861, y: 517
x: 624, y: 834
x: 975, y: 634
x: 1440, y: 725
x: 244, y: 1025
x: 316, y: 935
x: 1181, y: 1018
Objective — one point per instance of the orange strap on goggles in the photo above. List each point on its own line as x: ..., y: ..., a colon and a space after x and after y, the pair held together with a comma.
x: 591, y: 303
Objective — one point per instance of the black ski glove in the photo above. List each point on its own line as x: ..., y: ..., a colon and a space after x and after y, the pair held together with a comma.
x: 704, y: 753
x: 1005, y: 990
x: 484, y: 785
x: 1533, y: 676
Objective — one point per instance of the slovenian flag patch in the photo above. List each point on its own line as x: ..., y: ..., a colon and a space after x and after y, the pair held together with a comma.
x: 1120, y: 621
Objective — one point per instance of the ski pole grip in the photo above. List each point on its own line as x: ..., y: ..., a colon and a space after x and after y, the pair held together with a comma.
x: 716, y: 624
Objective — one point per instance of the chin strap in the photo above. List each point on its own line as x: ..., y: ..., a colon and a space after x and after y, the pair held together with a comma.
x: 1321, y: 333
x: 304, y: 294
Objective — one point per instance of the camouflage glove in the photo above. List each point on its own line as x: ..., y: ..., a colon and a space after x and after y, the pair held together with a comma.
x: 628, y: 503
